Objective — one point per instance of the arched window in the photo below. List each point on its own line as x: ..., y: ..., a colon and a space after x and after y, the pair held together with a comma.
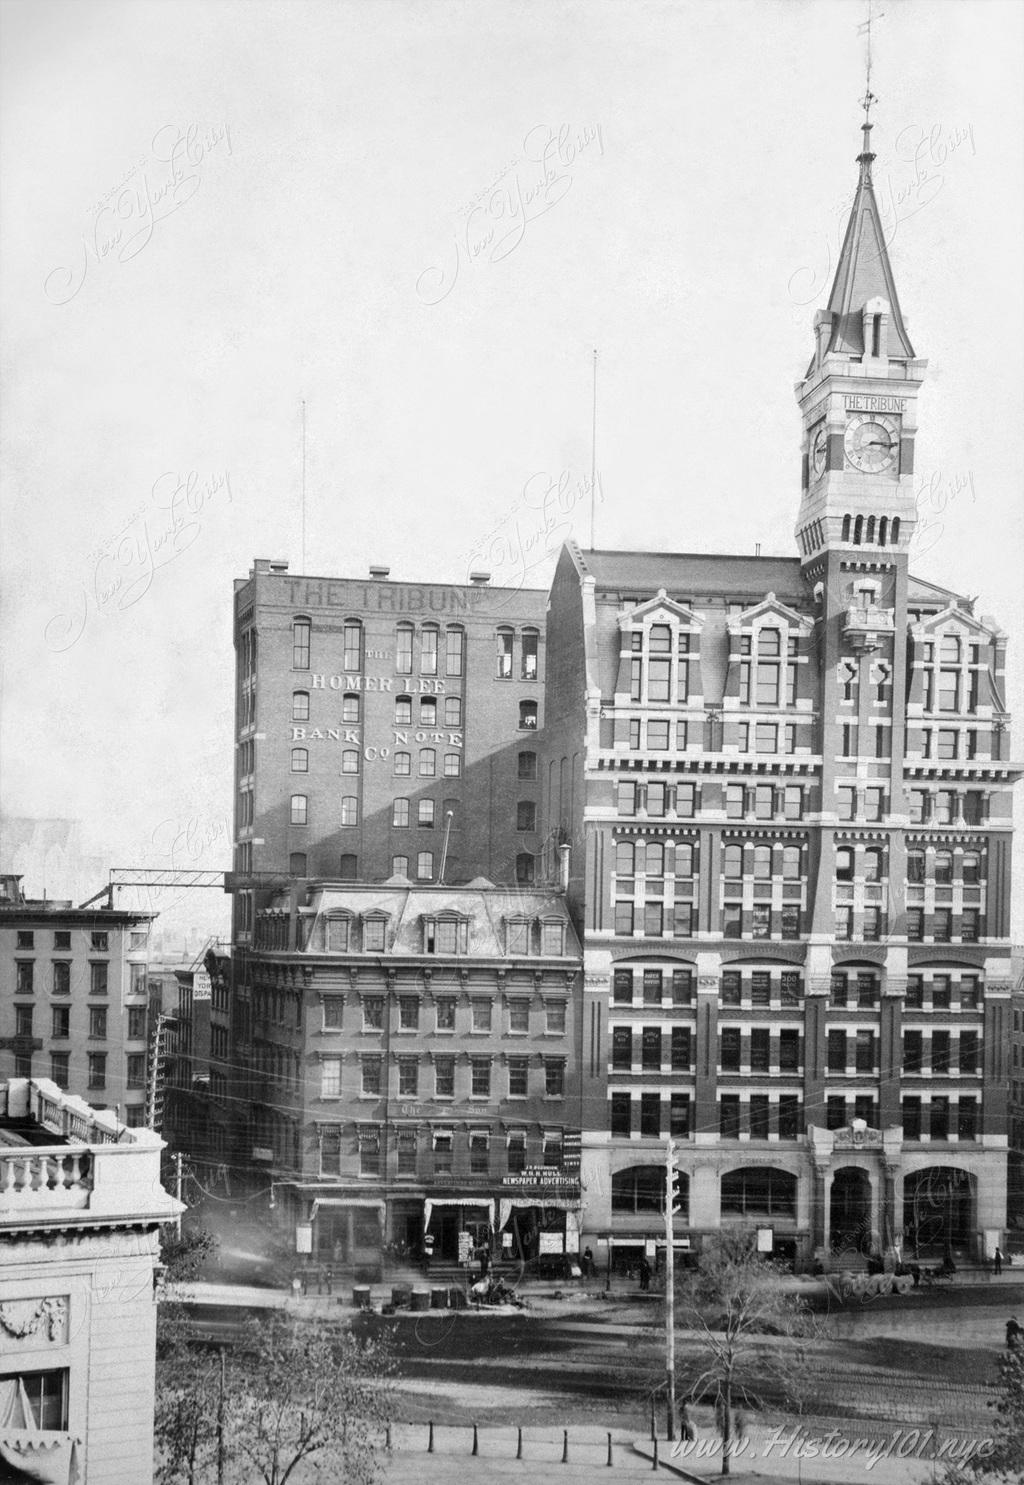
x: 452, y: 765
x: 349, y: 810
x: 403, y: 711
x: 350, y: 761
x: 350, y: 707
x: 301, y: 630
x: 531, y: 644
x: 506, y: 640
x: 733, y: 861
x: 455, y: 642
x: 297, y: 864
x: 300, y: 809
x: 846, y: 528
x: 791, y: 862
x: 428, y: 649
x: 300, y: 760
x: 403, y: 764
x: 352, y: 637
x: 428, y: 711
x: 883, y: 530
x: 641, y: 1188
x: 759, y: 1191
x: 525, y: 868
x: 625, y: 858
x: 858, y: 527
x: 528, y: 715
x: 869, y: 535
x: 425, y: 866
x: 527, y: 765
x: 300, y: 706
x: 895, y: 536
x: 769, y: 642
x: 684, y: 859
x: 428, y: 763
x: 762, y: 862
x: 949, y: 650
x: 453, y: 711
x: 349, y: 868
x: 526, y: 815
x: 943, y: 867
x: 403, y: 649
x: 972, y: 866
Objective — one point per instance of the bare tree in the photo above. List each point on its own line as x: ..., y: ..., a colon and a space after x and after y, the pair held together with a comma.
x: 746, y: 1325
x: 295, y: 1399
x: 183, y: 1423
x: 299, y: 1393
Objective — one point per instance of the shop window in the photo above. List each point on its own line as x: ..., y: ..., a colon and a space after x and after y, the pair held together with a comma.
x: 622, y: 985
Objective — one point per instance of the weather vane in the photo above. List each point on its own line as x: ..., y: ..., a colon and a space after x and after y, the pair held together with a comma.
x: 864, y: 29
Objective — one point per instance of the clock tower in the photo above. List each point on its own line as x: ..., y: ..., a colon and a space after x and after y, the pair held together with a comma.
x: 858, y: 401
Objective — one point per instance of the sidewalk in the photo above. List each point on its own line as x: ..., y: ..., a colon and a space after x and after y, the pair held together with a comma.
x: 787, y: 1452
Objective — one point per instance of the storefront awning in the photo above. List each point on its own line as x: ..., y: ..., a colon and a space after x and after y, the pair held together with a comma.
x: 505, y: 1205
x: 483, y: 1202
x: 347, y: 1201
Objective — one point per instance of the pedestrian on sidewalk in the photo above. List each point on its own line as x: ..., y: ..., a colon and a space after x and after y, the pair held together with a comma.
x: 687, y: 1432
x: 1013, y: 1334
x: 645, y: 1275
x: 997, y: 1261
x: 329, y: 1278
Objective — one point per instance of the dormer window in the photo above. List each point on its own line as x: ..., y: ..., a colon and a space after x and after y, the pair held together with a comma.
x: 374, y: 932
x: 446, y: 934
x: 552, y: 936
x: 517, y: 935
x: 339, y: 928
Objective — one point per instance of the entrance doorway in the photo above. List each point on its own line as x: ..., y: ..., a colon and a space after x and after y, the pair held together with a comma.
x: 850, y: 1224
x: 938, y: 1208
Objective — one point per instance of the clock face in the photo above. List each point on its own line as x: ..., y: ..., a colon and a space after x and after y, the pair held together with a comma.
x: 872, y: 442
x: 819, y: 449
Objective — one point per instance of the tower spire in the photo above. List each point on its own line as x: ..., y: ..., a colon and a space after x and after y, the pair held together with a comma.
x: 865, y: 157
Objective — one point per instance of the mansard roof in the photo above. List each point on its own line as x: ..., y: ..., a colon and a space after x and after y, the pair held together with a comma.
x: 693, y: 573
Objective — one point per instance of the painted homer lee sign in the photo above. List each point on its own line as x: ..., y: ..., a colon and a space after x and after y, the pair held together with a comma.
x: 353, y: 735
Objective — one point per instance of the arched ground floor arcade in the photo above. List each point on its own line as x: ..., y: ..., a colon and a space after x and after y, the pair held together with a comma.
x: 836, y: 1195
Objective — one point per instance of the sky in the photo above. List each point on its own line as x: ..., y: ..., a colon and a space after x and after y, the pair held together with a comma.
x: 217, y: 212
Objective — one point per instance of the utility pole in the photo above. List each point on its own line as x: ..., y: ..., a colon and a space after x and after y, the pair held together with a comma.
x: 670, y: 1289
x: 220, y: 1423
x: 177, y: 1185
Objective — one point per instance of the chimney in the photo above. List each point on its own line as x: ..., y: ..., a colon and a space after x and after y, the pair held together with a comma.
x: 480, y: 579
x: 563, y: 868
x: 378, y: 574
